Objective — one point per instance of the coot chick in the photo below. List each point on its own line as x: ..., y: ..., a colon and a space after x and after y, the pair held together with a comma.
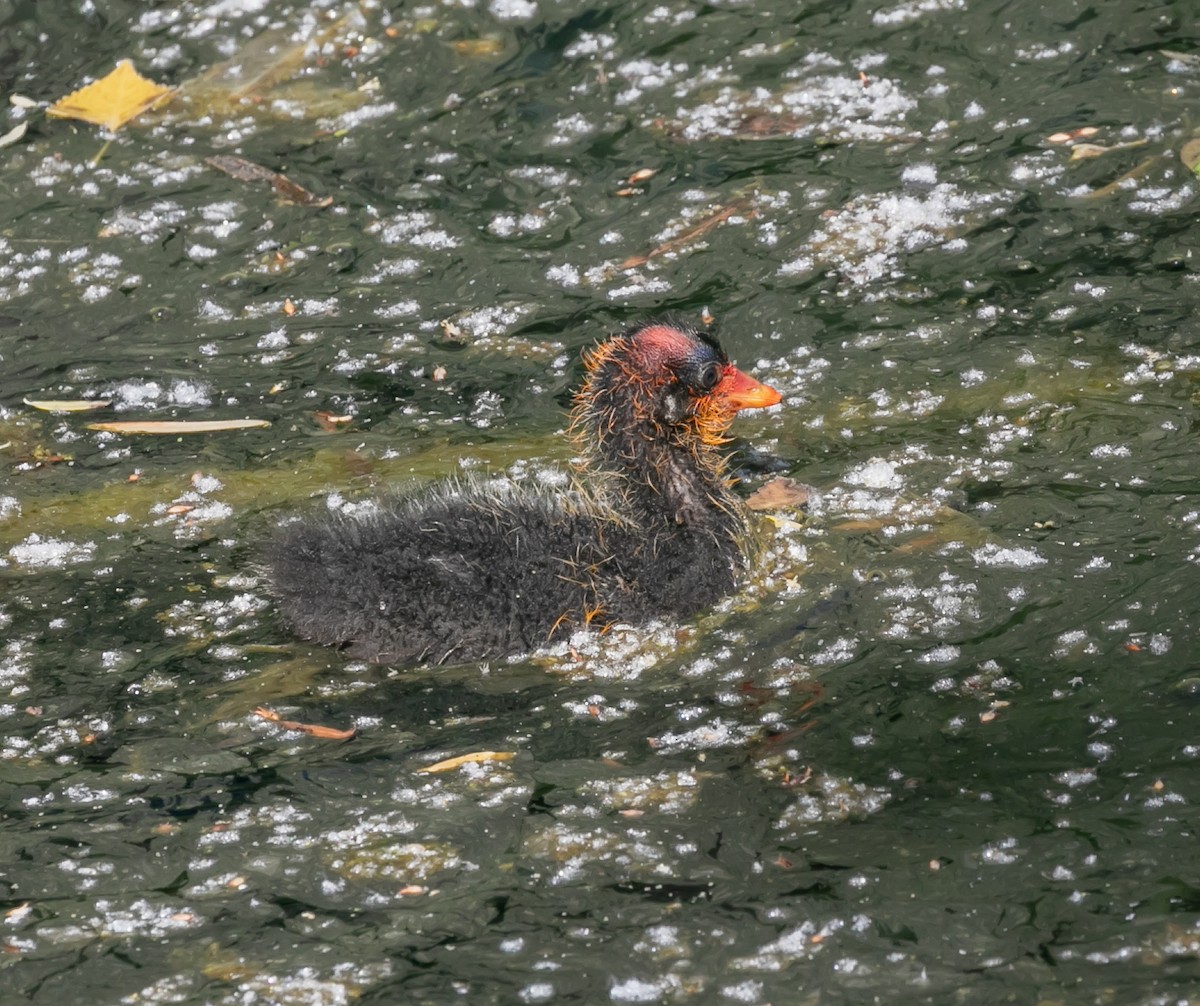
x: 649, y: 527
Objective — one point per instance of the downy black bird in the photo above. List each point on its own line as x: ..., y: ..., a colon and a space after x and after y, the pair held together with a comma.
x: 649, y: 527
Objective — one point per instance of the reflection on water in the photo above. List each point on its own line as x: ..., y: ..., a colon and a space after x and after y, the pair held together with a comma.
x: 943, y: 740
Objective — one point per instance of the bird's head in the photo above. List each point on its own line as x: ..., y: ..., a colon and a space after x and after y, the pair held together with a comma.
x: 671, y: 379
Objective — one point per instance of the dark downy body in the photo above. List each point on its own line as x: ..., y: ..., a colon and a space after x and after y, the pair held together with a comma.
x: 650, y: 528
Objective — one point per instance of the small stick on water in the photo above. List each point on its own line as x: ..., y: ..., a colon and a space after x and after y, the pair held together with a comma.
x: 1111, y: 187
x: 325, y: 733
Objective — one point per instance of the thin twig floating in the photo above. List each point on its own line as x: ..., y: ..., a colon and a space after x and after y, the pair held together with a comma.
x: 312, y: 729
x: 1136, y: 172
x: 248, y: 171
x: 739, y: 207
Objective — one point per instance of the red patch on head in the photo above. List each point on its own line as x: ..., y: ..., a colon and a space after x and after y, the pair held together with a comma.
x: 659, y: 345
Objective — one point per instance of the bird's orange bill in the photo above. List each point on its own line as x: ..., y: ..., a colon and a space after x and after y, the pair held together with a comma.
x: 741, y: 391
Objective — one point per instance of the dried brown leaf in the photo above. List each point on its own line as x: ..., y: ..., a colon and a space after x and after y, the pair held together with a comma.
x: 779, y: 493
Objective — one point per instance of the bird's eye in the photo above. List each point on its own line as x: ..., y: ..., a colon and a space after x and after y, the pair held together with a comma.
x: 710, y: 376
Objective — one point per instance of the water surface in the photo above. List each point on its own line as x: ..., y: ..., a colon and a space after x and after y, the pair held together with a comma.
x: 942, y: 747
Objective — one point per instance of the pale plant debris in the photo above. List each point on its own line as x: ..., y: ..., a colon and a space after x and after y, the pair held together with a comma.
x: 168, y: 426
x: 13, y: 135
x: 266, y: 70
x: 1071, y: 135
x: 18, y: 914
x: 268, y: 60
x: 1189, y: 61
x: 67, y: 405
x: 448, y: 764
x: 1082, y: 151
x: 329, y: 422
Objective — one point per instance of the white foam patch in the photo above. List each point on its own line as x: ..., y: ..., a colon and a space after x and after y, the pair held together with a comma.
x: 914, y: 10
x: 1013, y: 558
x: 875, y: 474
x: 634, y: 990
x: 512, y: 10
x: 143, y: 394
x: 865, y: 239
x: 50, y: 553
x: 717, y: 733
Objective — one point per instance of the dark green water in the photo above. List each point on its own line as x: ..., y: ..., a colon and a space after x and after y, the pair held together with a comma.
x: 942, y: 748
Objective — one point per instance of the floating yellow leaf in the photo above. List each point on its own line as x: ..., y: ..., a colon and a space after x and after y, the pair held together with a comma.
x: 67, y: 405
x: 112, y: 100
x: 474, y: 756
x: 178, y: 425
